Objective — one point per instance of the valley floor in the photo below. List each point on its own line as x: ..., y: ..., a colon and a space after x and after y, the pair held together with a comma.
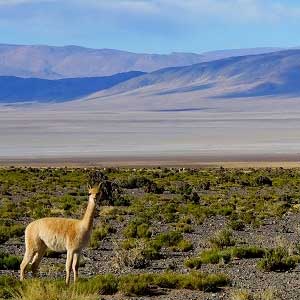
x: 139, y: 137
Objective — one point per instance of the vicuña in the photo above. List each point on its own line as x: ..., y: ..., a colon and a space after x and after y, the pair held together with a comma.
x: 60, y: 234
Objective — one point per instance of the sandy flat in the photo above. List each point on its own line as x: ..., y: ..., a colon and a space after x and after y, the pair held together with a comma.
x: 81, y: 136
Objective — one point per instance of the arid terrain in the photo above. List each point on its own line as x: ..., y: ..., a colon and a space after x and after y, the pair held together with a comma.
x: 173, y: 225
x: 86, y: 131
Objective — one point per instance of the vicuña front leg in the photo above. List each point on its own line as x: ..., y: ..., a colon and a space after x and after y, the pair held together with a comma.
x: 25, y: 262
x: 69, y: 265
x: 75, y: 265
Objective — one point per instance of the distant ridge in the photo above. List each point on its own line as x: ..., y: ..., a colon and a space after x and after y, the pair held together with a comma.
x: 16, y: 90
x: 253, y: 76
x: 50, y: 62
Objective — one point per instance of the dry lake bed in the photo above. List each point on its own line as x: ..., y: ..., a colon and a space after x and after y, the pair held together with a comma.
x: 190, y: 136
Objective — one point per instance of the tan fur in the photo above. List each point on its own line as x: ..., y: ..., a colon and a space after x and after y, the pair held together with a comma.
x: 60, y: 234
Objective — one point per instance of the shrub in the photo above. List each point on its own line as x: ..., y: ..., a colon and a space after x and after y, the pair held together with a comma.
x: 222, y: 239
x: 277, y: 259
x: 205, y: 185
x: 215, y: 256
x: 9, y: 262
x: 183, y: 188
x: 184, y: 227
x: 134, y: 230
x: 9, y: 231
x: 136, y: 285
x: 139, y: 285
x: 151, y: 252
x: 247, y: 252
x: 6, y: 284
x: 194, y: 197
x: 263, y: 180
x: 106, y: 284
x: 248, y: 295
x: 128, y: 244
x: 135, y: 182
x: 212, y: 256
x: 169, y: 239
x: 38, y: 290
x: 237, y: 225
x: 98, y: 234
x: 184, y: 246
x: 133, y: 257
x: 152, y: 187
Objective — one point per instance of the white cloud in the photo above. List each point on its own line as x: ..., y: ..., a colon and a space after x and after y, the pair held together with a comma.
x: 230, y: 10
x: 189, y: 11
x: 17, y: 2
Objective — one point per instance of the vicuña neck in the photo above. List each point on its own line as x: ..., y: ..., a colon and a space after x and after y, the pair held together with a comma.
x: 89, y: 213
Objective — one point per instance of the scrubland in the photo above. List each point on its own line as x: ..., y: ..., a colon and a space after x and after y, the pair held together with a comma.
x: 164, y: 233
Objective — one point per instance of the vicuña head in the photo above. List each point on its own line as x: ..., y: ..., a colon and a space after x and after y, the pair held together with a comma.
x: 61, y: 234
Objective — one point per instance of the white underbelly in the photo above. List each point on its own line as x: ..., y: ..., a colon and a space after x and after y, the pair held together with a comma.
x: 55, y: 243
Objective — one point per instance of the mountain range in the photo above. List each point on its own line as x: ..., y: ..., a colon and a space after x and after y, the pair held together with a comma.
x: 271, y: 74
x: 49, y: 62
x: 16, y: 89
x: 264, y: 72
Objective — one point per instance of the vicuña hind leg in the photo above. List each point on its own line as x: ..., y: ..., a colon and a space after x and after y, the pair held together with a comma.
x: 26, y: 260
x: 37, y: 259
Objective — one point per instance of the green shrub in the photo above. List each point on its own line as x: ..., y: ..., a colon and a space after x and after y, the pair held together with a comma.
x: 139, y: 285
x: 169, y: 239
x: 9, y: 231
x: 98, y: 234
x: 194, y: 197
x: 212, y: 256
x: 9, y: 262
x: 151, y: 252
x: 128, y: 244
x: 143, y: 231
x: 152, y: 187
x: 263, y: 180
x: 247, y: 252
x: 193, y: 263
x: 249, y: 295
x: 6, y: 284
x: 136, y: 230
x: 277, y: 259
x: 106, y: 284
x: 50, y: 290
x: 183, y: 246
x: 215, y: 256
x: 135, y: 182
x: 237, y: 225
x: 184, y: 227
x: 222, y: 239
x: 135, y: 256
x: 136, y: 285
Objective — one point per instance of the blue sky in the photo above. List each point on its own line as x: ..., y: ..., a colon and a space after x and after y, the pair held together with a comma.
x: 152, y: 26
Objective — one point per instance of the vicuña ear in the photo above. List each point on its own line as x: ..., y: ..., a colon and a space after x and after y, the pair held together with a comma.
x: 100, y: 185
x: 89, y: 187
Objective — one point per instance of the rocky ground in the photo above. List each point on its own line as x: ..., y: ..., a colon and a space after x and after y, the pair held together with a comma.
x: 284, y: 229
x: 243, y: 273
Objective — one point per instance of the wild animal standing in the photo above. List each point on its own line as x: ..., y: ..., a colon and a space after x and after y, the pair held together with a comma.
x: 60, y: 234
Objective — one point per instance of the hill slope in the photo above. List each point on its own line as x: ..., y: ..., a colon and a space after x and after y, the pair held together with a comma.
x: 254, y: 75
x: 15, y: 89
x: 50, y: 62
x: 206, y: 84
